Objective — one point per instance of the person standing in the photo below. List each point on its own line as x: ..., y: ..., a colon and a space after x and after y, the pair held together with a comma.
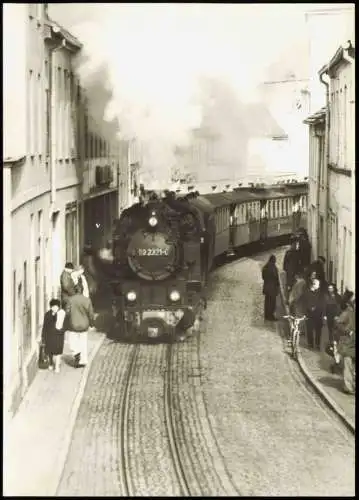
x: 332, y: 309
x: 315, y: 306
x: 346, y: 346
x: 296, y: 296
x: 319, y: 267
x: 305, y: 249
x: 270, y: 287
x: 291, y: 264
x: 67, y: 283
x: 80, y: 318
x: 81, y: 282
x: 296, y: 301
x: 53, y: 334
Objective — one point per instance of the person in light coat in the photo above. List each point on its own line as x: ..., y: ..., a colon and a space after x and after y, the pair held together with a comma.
x: 81, y: 281
x: 80, y: 317
x: 346, y: 347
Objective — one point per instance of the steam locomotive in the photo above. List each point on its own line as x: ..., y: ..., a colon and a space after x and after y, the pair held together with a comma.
x: 164, y: 250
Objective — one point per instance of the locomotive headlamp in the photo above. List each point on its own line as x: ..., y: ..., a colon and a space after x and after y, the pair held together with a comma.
x: 153, y: 221
x: 131, y: 296
x: 175, y: 296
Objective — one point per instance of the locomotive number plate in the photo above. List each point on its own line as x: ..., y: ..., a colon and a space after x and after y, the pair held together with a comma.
x: 152, y: 331
x: 142, y: 252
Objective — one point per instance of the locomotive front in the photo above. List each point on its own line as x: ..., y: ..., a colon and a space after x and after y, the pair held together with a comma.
x: 157, y: 261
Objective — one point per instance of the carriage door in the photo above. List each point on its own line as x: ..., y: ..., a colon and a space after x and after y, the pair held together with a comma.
x: 263, y: 220
x: 251, y: 222
x: 232, y: 225
x: 296, y: 214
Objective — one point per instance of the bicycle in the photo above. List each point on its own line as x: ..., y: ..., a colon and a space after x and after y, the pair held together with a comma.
x: 295, y: 332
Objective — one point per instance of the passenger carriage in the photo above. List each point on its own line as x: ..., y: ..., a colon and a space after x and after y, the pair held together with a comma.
x: 169, y: 253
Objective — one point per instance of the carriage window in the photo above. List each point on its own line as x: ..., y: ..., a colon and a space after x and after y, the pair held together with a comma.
x: 278, y: 208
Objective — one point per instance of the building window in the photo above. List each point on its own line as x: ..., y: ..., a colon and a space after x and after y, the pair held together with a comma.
x: 39, y: 115
x: 59, y: 120
x: 86, y: 136
x: 47, y: 110
x: 40, y: 270
x: 31, y: 112
x: 71, y: 233
x: 67, y: 114
x: 73, y: 114
x: 45, y: 273
x: 345, y: 127
x: 32, y: 10
x: 26, y: 323
x: 39, y: 10
x: 14, y: 302
x: 37, y: 291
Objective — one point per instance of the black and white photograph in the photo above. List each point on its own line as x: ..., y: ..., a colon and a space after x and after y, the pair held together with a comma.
x: 179, y: 250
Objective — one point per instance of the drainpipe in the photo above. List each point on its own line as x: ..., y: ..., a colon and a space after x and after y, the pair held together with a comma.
x: 52, y: 131
x: 52, y: 143
x: 351, y: 61
x: 326, y: 156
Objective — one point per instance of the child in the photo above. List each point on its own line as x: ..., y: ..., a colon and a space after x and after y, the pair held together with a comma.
x: 53, y: 334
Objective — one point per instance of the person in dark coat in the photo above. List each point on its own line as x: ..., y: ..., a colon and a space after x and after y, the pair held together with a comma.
x: 270, y: 287
x: 315, y: 307
x: 332, y: 309
x: 67, y: 283
x: 305, y: 249
x: 291, y: 264
x: 319, y: 267
x: 53, y: 333
x: 90, y: 271
x: 346, y: 299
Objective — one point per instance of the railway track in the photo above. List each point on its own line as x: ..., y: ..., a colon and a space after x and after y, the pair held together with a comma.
x: 170, y: 427
x: 124, y: 472
x: 191, y: 453
x: 166, y: 441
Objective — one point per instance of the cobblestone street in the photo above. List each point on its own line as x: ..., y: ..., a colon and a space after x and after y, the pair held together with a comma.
x: 277, y: 438
x: 272, y: 435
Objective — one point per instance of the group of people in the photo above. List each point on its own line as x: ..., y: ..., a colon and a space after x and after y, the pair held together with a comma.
x: 310, y: 295
x: 74, y: 314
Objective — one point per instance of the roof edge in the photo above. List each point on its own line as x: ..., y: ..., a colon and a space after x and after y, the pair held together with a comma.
x: 13, y: 161
x: 337, y: 58
x: 317, y: 117
x: 58, y: 29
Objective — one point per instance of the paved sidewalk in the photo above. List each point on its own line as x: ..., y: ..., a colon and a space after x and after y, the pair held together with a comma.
x: 37, y: 438
x: 316, y: 367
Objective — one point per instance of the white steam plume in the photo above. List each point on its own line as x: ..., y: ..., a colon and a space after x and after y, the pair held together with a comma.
x: 155, y: 55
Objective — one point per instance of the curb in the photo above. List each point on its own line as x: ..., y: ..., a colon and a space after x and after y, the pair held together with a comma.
x: 59, y: 467
x: 324, y: 395
x: 317, y: 385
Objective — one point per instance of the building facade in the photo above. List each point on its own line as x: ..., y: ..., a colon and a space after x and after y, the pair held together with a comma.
x: 332, y: 171
x: 42, y: 181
